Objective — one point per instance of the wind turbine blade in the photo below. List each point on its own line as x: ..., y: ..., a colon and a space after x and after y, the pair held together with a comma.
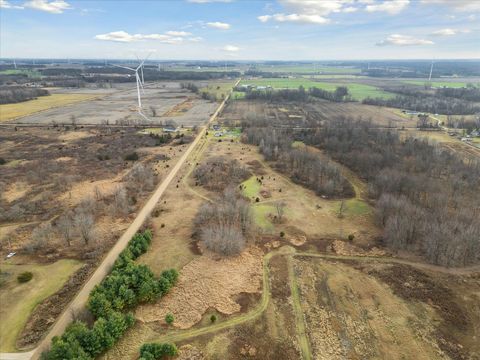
x: 123, y: 67
x: 141, y: 64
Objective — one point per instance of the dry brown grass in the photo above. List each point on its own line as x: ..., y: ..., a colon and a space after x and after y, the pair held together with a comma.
x: 209, y: 281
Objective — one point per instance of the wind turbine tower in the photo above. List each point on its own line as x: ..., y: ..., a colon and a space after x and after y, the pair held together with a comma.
x: 139, y: 81
x: 431, y: 70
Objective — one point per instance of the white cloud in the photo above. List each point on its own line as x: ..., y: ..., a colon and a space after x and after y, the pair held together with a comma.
x: 318, y: 11
x: 219, y: 25
x: 231, y: 48
x: 53, y: 7
x: 403, y: 40
x: 4, y: 4
x: 457, y: 5
x: 178, y: 33
x: 449, y: 32
x: 170, y: 37
x: 391, y: 6
x: 298, y: 18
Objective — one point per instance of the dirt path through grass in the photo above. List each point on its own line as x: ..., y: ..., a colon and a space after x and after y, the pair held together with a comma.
x: 181, y: 335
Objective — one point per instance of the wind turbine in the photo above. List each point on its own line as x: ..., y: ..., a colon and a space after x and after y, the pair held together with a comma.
x: 431, y: 70
x: 139, y: 81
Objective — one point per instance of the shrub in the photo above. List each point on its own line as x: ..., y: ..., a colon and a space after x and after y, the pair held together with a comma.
x: 131, y: 157
x: 282, y: 234
x: 155, y: 351
x: 2, y: 161
x: 213, y: 318
x: 25, y: 277
x: 169, y: 319
x: 351, y: 237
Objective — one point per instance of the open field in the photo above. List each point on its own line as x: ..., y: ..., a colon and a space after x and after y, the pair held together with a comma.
x: 357, y: 90
x: 118, y: 106
x: 317, y: 111
x: 308, y: 68
x: 28, y: 72
x: 14, y: 111
x: 19, y: 300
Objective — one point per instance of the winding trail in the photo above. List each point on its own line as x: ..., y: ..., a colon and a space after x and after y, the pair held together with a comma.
x: 290, y: 252
x: 80, y: 300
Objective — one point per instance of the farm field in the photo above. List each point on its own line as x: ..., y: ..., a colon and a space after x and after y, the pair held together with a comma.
x: 308, y: 68
x: 29, y: 73
x: 452, y: 84
x: 166, y: 100
x: 13, y: 111
x: 357, y: 90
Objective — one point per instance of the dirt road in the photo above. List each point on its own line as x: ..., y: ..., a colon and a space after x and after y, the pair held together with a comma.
x: 105, y: 267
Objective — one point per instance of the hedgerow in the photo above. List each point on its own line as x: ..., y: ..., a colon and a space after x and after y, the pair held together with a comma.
x: 128, y: 285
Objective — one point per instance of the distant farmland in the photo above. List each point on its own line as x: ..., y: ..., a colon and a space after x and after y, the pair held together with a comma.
x: 357, y: 90
x: 451, y: 84
x: 308, y: 68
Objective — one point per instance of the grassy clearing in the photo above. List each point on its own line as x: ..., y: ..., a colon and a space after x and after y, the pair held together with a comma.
x: 13, y: 111
x: 19, y: 300
x: 353, y: 207
x: 451, y: 84
x: 251, y: 187
x: 298, y: 145
x: 358, y: 91
x: 261, y: 214
x: 28, y: 72
x: 218, y: 89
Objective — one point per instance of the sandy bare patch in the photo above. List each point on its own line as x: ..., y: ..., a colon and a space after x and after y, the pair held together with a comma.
x: 75, y: 135
x: 15, y: 191
x: 63, y: 159
x: 342, y: 248
x: 208, y: 282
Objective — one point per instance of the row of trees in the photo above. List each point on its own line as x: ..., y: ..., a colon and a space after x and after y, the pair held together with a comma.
x: 127, y: 285
x: 16, y: 94
x: 226, y: 224
x: 302, y: 166
x: 427, y: 197
x: 301, y: 94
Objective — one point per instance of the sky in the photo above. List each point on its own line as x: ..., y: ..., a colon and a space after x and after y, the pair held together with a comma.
x: 240, y: 29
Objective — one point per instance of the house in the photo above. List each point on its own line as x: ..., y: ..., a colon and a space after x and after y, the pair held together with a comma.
x: 216, y: 127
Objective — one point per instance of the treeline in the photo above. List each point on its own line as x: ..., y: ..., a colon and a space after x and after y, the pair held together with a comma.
x: 301, y: 94
x: 419, y: 101
x: 128, y: 285
x: 469, y: 93
x: 427, y: 199
x: 16, y: 94
x: 303, y: 167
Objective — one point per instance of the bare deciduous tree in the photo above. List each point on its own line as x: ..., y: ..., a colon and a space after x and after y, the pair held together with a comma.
x: 85, y: 225
x: 66, y: 228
